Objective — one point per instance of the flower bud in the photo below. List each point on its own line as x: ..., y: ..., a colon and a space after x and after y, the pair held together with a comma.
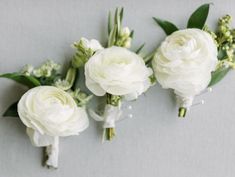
x: 127, y: 43
x: 27, y: 70
x: 125, y: 32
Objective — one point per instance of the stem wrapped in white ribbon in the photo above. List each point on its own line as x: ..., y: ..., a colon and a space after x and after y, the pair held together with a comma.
x: 110, y: 116
x: 50, y: 113
x: 184, y: 104
x: 50, y: 142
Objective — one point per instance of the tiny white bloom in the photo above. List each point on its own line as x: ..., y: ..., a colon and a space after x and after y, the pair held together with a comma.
x: 27, y: 70
x: 62, y: 84
x: 125, y: 32
x: 45, y: 70
x: 92, y: 44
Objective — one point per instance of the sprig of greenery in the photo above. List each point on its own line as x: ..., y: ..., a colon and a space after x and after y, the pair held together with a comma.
x: 11, y: 111
x: 29, y: 81
x: 196, y: 20
x: 225, y: 40
x: 167, y: 26
x: 198, y: 17
x: 117, y: 35
x: 82, y: 54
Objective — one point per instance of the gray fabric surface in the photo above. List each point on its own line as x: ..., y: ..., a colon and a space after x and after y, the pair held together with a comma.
x: 155, y: 143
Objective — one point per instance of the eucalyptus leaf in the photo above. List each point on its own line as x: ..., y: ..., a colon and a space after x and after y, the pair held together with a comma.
x: 29, y: 81
x: 167, y: 26
x: 11, y: 111
x: 199, y: 16
x: 218, y: 75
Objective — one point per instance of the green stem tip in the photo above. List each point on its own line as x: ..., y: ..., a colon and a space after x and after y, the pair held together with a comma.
x: 109, y: 133
x: 182, y: 112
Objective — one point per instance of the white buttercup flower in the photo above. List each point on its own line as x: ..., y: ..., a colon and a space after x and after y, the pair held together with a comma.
x: 117, y: 71
x: 52, y: 111
x: 184, y: 62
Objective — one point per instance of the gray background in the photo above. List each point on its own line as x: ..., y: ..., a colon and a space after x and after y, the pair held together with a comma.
x: 155, y: 143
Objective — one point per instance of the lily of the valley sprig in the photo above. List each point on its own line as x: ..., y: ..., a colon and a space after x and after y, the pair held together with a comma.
x: 187, y: 60
x: 51, y: 108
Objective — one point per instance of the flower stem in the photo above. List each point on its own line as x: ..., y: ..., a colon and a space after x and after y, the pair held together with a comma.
x: 109, y: 133
x: 113, y: 100
x: 182, y: 112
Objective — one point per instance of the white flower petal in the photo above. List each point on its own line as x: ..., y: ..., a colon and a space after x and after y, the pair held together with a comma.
x: 185, y: 60
x: 117, y: 71
x: 51, y: 111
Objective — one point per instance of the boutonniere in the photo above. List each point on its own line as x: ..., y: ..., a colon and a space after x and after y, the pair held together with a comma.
x: 51, y: 108
x: 113, y: 71
x: 191, y: 60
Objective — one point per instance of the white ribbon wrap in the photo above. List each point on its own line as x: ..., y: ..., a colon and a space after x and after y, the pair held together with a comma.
x: 110, y: 116
x: 50, y: 142
x: 185, y: 102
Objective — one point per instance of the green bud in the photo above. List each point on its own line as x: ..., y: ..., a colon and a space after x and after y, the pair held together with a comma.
x: 127, y: 43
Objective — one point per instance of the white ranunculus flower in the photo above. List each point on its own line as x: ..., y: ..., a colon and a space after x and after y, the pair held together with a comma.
x: 184, y: 62
x: 52, y: 111
x: 117, y: 71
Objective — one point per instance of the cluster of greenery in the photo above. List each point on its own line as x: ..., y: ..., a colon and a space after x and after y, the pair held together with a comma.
x: 48, y: 73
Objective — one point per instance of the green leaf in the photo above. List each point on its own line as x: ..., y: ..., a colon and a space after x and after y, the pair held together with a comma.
x: 11, y: 111
x: 71, y: 76
x: 167, y: 26
x: 112, y: 36
x: 29, y: 81
x: 218, y: 75
x: 149, y: 57
x: 117, y: 20
x: 132, y: 34
x: 109, y: 22
x: 121, y: 14
x: 140, y: 48
x: 116, y: 16
x: 199, y: 16
x: 221, y: 54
